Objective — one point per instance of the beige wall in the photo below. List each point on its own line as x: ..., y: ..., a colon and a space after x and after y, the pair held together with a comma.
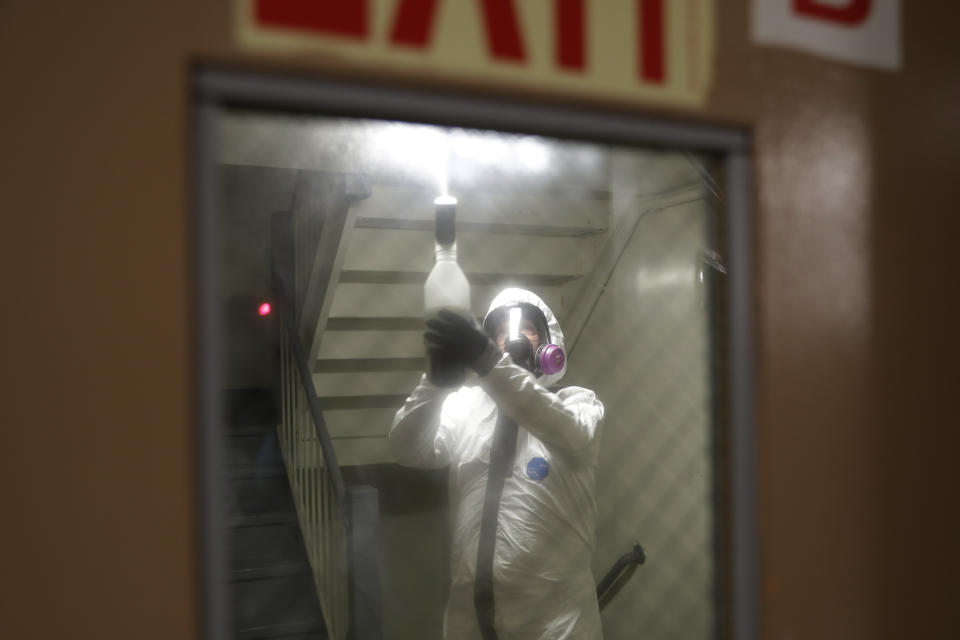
x: 855, y: 277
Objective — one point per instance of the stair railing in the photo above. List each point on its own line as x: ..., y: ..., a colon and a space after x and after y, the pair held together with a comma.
x: 340, y: 525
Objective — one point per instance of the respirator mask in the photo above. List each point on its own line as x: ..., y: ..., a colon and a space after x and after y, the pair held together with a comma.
x: 546, y: 359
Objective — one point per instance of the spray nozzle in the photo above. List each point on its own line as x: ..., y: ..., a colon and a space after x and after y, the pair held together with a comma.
x: 446, y: 208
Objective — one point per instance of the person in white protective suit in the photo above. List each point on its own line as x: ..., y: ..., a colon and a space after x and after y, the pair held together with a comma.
x: 542, y: 584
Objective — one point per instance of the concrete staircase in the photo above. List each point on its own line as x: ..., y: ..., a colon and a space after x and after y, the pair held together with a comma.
x: 272, y: 593
x: 369, y: 354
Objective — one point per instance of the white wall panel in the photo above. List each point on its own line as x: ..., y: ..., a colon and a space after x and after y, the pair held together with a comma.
x: 645, y: 352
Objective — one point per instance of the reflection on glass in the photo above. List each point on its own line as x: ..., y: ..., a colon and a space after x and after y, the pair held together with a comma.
x: 327, y: 235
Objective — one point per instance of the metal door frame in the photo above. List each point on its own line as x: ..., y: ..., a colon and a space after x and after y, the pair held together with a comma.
x: 214, y: 89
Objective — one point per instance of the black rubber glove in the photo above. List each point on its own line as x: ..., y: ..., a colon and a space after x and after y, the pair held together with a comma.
x: 463, y: 339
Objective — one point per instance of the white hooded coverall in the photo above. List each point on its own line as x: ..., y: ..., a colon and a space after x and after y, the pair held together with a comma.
x: 543, y: 586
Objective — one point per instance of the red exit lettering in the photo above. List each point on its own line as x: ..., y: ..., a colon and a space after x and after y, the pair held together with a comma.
x: 651, y: 40
x: 851, y: 14
x: 334, y: 17
x: 413, y: 22
x: 569, y: 26
x: 413, y: 26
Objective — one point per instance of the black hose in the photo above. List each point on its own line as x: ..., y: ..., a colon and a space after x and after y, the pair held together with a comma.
x: 624, y: 563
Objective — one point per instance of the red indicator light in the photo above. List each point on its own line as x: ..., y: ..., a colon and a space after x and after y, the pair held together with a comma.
x: 265, y: 309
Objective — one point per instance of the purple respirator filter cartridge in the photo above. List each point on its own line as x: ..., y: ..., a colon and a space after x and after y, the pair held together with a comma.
x: 551, y: 359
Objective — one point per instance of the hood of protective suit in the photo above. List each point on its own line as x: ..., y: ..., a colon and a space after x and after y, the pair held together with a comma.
x: 512, y: 296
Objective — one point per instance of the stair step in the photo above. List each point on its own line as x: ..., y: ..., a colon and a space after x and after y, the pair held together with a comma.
x: 389, y: 250
x: 405, y: 300
x: 250, y: 490
x: 290, y: 630
x: 250, y: 472
x: 247, y: 447
x: 390, y: 323
x: 273, y: 571
x: 542, y: 230
x: 558, y: 208
x: 333, y: 403
x: 261, y: 519
x: 268, y: 599
x: 364, y: 344
x: 265, y: 544
x: 366, y: 383
x: 249, y: 432
x: 343, y: 365
x: 526, y: 280
x: 254, y: 407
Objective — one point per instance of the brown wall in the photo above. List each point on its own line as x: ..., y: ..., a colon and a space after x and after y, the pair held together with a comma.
x: 855, y: 185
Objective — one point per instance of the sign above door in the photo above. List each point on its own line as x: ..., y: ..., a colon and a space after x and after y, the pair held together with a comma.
x: 860, y: 32
x: 644, y: 50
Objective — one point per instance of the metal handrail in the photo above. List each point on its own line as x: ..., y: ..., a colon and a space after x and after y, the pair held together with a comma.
x: 316, y: 484
x: 313, y: 404
x: 340, y: 524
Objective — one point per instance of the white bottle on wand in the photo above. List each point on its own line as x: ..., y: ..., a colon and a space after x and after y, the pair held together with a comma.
x: 446, y: 288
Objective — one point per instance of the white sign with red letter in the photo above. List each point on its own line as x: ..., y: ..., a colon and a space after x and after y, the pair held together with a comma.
x: 660, y: 50
x: 864, y: 32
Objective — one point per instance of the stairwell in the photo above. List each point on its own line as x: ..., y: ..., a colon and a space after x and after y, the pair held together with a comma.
x: 359, y: 284
x: 369, y: 352
x: 272, y: 591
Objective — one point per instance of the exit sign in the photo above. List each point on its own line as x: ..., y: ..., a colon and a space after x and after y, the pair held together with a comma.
x: 652, y: 50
